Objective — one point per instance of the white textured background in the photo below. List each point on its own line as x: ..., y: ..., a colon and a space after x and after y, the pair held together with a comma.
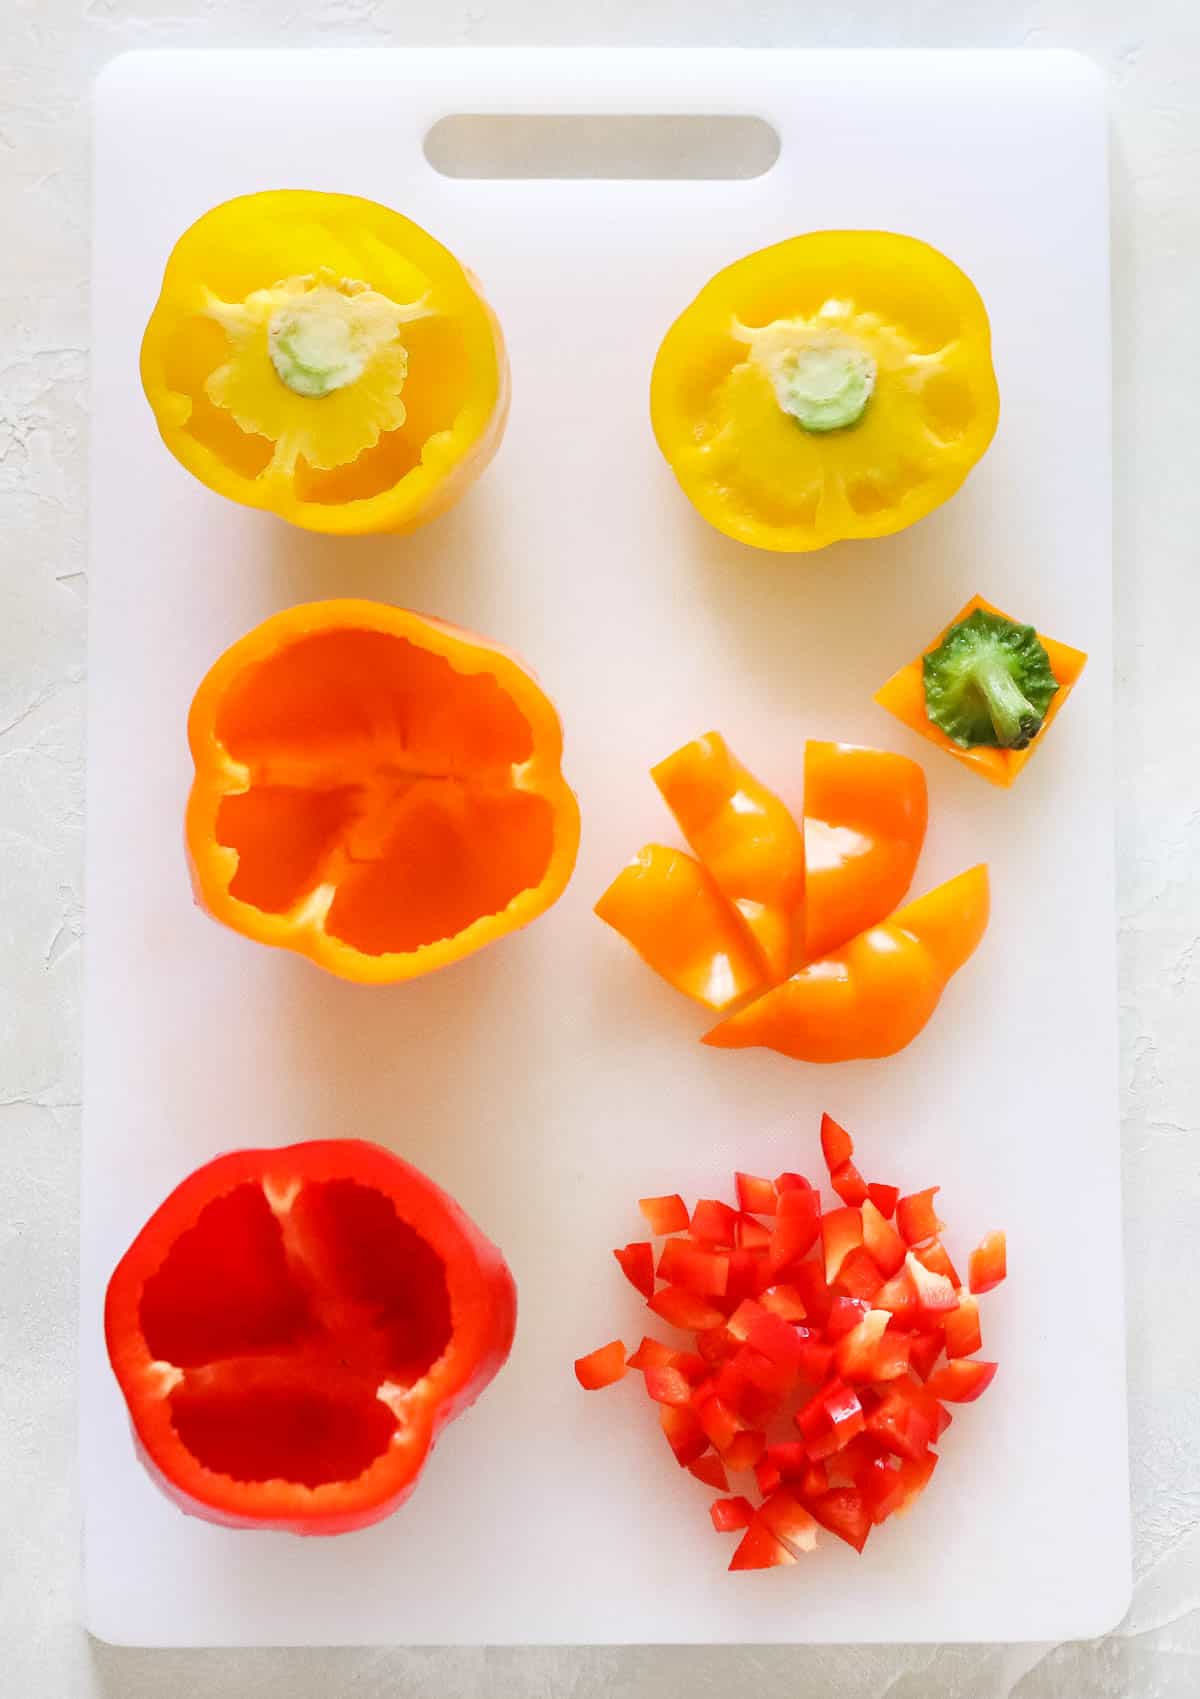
x: 49, y: 52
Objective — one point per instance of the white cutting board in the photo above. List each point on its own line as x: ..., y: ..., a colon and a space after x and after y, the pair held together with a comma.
x: 552, y: 1080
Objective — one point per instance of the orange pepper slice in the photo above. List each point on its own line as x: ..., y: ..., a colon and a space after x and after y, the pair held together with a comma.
x: 874, y: 995
x: 865, y: 813
x: 673, y: 913
x: 744, y: 836
x: 375, y: 790
x: 904, y: 696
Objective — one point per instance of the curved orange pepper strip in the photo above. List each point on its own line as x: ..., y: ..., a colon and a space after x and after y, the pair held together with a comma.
x: 904, y: 696
x: 744, y: 836
x: 874, y: 995
x: 375, y: 790
x: 673, y: 913
x: 865, y: 812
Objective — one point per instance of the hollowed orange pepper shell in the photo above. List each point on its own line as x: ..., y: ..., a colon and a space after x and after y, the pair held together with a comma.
x: 378, y: 791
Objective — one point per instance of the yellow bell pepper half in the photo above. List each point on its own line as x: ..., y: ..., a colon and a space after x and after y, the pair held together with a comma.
x: 836, y: 385
x: 323, y: 357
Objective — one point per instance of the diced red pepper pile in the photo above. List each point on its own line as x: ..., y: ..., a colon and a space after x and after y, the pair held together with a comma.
x: 819, y: 1338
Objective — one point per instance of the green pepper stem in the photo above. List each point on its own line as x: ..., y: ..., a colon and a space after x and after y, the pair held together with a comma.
x: 1014, y: 718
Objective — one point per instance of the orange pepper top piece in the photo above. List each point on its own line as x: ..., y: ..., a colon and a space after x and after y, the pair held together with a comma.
x: 378, y: 791
x: 904, y: 696
x: 874, y: 995
x: 865, y: 813
x: 744, y: 836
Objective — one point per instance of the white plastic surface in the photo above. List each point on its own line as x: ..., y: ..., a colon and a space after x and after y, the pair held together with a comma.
x: 551, y: 1080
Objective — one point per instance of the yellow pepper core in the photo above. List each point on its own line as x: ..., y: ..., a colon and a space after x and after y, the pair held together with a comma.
x: 836, y: 385
x: 361, y: 389
x: 319, y: 336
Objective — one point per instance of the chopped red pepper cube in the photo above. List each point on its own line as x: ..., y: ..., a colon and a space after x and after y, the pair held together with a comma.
x: 961, y: 1381
x: 934, y: 1256
x: 908, y: 1482
x: 744, y: 1451
x: 651, y: 1354
x: 784, y: 1301
x: 845, y: 1415
x: 963, y: 1334
x: 893, y: 1355
x: 841, y: 1233
x: 760, y: 1549
x: 885, y: 1198
x: 858, y: 1276
x: 935, y: 1294
x: 714, y: 1223
x: 776, y: 1339
x: 900, y: 1426
x: 836, y: 1144
x: 789, y: 1182
x: 844, y: 1512
x: 988, y: 1263
x: 789, y: 1521
x: 755, y: 1196
x: 790, y: 1457
x: 667, y: 1386
x: 691, y: 1366
x: 711, y: 1471
x: 729, y: 1514
x: 685, y: 1436
x: 716, y: 1345
x: 601, y: 1367
x: 809, y: 1280
x: 881, y: 1239
x: 749, y: 1272
x: 767, y: 1475
x: 816, y: 1360
x: 899, y: 1295
x: 915, y: 1216
x: 849, y: 1184
x: 752, y: 1235
x: 857, y: 1353
x: 797, y: 1225
x: 684, y: 1309
x: 744, y: 1317
x: 845, y: 1314
x: 637, y: 1265
x: 925, y: 1349
x: 706, y: 1273
x: 717, y: 1421
x: 665, y: 1215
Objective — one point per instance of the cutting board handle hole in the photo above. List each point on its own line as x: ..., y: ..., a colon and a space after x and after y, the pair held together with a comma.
x: 666, y: 147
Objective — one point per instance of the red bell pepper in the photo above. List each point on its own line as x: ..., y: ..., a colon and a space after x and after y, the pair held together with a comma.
x: 292, y: 1328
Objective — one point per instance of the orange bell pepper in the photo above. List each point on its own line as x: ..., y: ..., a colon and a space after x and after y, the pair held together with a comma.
x: 673, y: 913
x: 375, y: 790
x: 865, y: 812
x: 874, y: 995
x: 904, y: 696
x: 744, y: 836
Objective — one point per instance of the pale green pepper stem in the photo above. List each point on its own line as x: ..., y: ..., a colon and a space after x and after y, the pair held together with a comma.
x: 1015, y: 720
x: 825, y: 388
